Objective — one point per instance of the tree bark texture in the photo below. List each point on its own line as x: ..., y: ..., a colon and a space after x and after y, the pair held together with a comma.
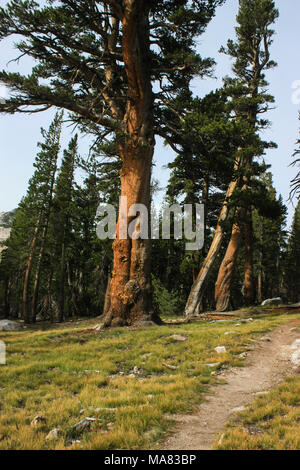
x: 225, y: 274
x: 130, y: 289
x: 193, y: 306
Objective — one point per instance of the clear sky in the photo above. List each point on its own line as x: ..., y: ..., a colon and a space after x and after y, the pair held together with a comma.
x: 19, y: 133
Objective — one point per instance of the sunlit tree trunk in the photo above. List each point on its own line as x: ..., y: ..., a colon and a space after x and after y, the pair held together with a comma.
x: 131, y: 290
x: 249, y: 291
x: 193, y: 306
x: 226, y: 270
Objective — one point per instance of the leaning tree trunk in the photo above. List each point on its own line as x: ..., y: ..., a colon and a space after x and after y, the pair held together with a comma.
x: 194, y: 303
x: 226, y: 270
x: 249, y: 278
x: 131, y: 289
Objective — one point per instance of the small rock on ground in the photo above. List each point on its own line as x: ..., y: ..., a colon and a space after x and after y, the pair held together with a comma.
x: 53, y: 434
x: 220, y: 349
x: 179, y: 338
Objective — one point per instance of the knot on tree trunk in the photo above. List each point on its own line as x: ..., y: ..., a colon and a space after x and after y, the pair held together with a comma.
x: 131, y: 292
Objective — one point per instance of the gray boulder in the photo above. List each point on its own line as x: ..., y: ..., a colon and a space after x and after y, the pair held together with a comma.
x: 8, y: 325
x: 274, y: 302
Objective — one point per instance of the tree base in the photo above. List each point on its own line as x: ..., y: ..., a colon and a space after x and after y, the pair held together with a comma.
x: 108, y: 321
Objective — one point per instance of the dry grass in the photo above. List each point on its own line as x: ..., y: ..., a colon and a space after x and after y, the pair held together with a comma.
x: 271, y: 422
x: 65, y: 376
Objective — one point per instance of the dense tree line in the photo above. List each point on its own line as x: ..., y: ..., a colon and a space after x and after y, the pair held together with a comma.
x: 123, y: 71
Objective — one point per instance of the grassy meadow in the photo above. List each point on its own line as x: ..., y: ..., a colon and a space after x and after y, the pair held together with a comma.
x: 132, y: 381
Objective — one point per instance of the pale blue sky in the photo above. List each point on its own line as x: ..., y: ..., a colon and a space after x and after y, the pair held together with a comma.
x: 19, y: 133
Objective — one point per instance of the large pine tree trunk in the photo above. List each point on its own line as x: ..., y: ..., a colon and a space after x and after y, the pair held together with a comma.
x: 131, y: 290
x: 249, y: 278
x: 225, y: 274
x: 193, y: 306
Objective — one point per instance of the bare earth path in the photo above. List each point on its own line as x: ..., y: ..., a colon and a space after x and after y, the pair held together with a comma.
x: 268, y: 364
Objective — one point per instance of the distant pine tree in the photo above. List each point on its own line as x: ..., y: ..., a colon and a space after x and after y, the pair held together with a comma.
x: 30, y: 226
x: 61, y: 222
x: 295, y: 183
x: 292, y: 267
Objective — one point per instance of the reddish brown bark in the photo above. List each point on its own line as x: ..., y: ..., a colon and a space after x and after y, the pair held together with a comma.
x: 225, y: 274
x: 194, y: 303
x: 130, y: 289
x: 248, y: 280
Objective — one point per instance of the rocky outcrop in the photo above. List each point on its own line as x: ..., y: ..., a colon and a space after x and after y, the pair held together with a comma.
x: 4, y: 233
x: 6, y: 219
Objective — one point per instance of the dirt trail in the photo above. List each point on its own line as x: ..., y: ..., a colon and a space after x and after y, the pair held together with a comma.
x: 268, y: 364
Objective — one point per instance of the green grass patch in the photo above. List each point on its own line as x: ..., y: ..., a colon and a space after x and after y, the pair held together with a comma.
x: 272, y: 422
x: 131, y: 381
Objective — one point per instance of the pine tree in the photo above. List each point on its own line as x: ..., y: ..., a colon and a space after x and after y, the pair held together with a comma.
x: 207, y: 148
x: 269, y: 242
x: 89, y: 262
x: 98, y: 59
x: 63, y: 211
x: 295, y: 183
x: 39, y: 202
x: 71, y: 264
x: 251, y: 52
x: 13, y: 262
x: 292, y: 271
